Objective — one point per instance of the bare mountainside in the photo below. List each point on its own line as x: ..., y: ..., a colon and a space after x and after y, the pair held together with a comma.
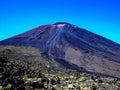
x: 71, y: 46
x: 23, y: 68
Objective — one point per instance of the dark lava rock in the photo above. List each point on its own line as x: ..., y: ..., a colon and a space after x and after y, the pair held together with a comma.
x: 38, y: 85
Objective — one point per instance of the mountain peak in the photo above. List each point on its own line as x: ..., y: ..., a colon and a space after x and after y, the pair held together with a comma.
x: 62, y: 42
x: 57, y: 23
x: 63, y: 24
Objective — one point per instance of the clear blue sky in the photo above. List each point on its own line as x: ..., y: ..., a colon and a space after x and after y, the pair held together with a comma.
x: 99, y: 16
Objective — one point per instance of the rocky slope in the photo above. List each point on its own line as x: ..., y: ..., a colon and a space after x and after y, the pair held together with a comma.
x: 72, y: 47
x: 23, y: 68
